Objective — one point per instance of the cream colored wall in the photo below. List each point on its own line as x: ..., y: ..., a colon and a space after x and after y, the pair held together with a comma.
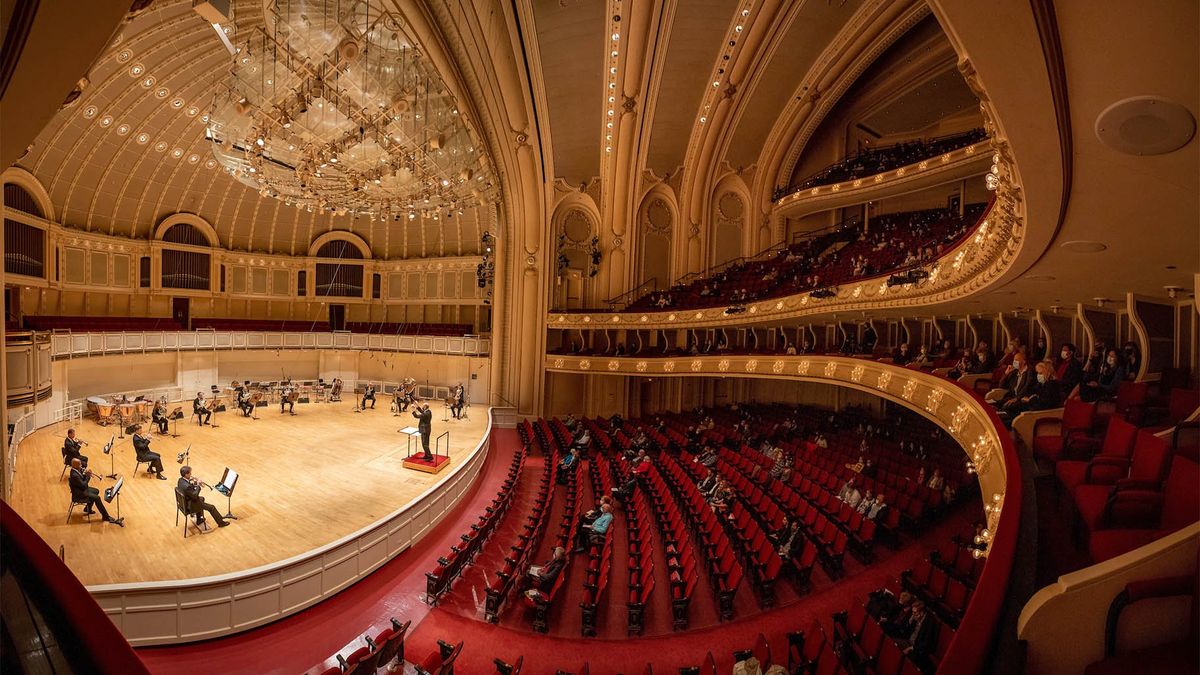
x: 83, y: 377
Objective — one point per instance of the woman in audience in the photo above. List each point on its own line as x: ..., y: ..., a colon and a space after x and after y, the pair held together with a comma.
x: 1067, y: 370
x: 1106, y: 382
x: 901, y: 357
x: 962, y: 367
x: 922, y: 359
x: 1133, y: 360
x: 1044, y: 394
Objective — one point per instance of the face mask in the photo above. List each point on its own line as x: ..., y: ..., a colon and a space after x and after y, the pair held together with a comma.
x: 1066, y: 354
x: 982, y: 357
x: 1041, y: 379
x: 1017, y: 365
x: 1112, y: 362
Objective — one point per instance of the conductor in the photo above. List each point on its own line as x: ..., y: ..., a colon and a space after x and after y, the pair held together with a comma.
x: 70, y: 449
x: 193, y: 502
x: 88, y: 496
x: 424, y: 425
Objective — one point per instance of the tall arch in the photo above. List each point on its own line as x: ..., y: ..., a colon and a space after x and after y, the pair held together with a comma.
x: 340, y: 235
x: 15, y: 175
x: 200, y: 224
x: 658, y: 219
x: 732, y: 232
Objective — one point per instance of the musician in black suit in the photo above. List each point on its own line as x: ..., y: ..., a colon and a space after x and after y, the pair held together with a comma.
x: 193, y: 502
x: 200, y: 407
x: 159, y: 417
x: 369, y: 395
x: 88, y: 496
x: 243, y: 401
x: 459, y: 396
x: 141, y: 446
x: 286, y: 400
x: 424, y: 425
x: 70, y: 449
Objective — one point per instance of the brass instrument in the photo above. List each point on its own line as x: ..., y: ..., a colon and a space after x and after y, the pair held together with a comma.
x: 197, y: 481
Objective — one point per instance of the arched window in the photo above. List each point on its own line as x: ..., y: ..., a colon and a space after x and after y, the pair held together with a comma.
x: 24, y: 244
x: 343, y: 280
x: 339, y: 248
x: 185, y: 233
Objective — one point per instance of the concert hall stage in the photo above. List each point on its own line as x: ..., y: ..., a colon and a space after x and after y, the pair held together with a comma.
x: 305, y: 481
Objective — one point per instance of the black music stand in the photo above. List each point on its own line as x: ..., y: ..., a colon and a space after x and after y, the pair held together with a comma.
x: 175, y: 416
x: 358, y: 406
x: 108, y: 450
x: 114, y: 492
x: 185, y: 455
x: 213, y: 423
x: 225, y: 487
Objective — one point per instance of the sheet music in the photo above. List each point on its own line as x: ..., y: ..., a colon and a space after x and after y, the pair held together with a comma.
x: 228, y: 481
x: 111, y: 492
x: 411, y: 431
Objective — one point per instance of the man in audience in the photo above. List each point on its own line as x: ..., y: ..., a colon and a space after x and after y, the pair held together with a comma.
x: 599, y: 527
x: 1067, y: 369
x: 917, y: 636
x: 566, y: 465
x: 1017, y: 382
x: 850, y: 494
x: 877, y: 509
x: 901, y: 357
x: 866, y: 503
x: 750, y: 666
x: 582, y: 441
x: 542, y: 576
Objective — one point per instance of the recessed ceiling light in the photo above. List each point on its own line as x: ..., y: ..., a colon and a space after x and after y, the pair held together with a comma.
x: 136, y: 70
x: 161, y: 92
x: 90, y: 112
x: 123, y: 129
x: 160, y: 146
x: 1082, y: 246
x: 143, y: 138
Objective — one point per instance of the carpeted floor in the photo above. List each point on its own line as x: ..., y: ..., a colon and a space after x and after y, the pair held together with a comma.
x: 299, y: 642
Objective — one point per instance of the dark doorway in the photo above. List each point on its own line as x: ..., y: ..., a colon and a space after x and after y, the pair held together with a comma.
x: 337, y: 317
x: 181, y: 312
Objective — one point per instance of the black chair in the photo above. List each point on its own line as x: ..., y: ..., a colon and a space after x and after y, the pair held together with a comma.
x: 181, y: 507
x: 71, y: 511
x: 66, y: 467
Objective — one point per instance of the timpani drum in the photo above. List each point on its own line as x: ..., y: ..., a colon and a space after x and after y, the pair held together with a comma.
x: 143, y: 410
x: 127, y: 411
x: 104, y: 413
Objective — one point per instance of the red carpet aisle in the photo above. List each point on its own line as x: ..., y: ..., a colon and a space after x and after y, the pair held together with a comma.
x: 301, y: 641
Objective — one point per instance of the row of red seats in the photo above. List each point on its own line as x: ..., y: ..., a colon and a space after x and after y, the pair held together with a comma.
x: 641, y: 561
x: 438, y: 580
x: 379, y: 647
x: 677, y: 548
x: 101, y: 324
x: 596, y: 577
x: 555, y: 436
x: 527, y: 540
x: 724, y: 571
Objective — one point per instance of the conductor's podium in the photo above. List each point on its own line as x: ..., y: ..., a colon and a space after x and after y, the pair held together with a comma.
x: 417, y: 462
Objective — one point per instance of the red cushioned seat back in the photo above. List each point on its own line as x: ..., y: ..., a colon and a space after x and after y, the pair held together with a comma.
x: 1182, y: 404
x: 1151, y: 455
x: 1077, y: 415
x: 1180, y: 506
x: 1119, y: 439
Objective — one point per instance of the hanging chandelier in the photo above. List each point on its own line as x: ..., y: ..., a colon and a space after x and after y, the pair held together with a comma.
x: 331, y: 106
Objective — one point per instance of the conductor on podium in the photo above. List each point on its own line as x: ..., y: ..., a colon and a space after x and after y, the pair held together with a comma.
x: 424, y: 425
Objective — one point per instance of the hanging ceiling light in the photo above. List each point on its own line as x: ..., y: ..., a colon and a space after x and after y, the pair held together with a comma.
x: 332, y: 106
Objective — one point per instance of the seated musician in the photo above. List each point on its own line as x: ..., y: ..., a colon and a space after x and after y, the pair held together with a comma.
x: 141, y: 446
x: 408, y: 394
x: 200, y: 407
x: 243, y: 401
x: 287, y: 400
x: 459, y: 399
x: 159, y: 416
x: 369, y: 395
x: 70, y: 449
x: 335, y: 394
x: 82, y: 493
x: 193, y: 502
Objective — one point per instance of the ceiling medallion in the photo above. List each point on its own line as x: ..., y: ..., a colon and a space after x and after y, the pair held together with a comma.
x: 351, y: 118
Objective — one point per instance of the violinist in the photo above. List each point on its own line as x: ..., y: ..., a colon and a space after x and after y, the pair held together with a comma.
x: 194, y: 504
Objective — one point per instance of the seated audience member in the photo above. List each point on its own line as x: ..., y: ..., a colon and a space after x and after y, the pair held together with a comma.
x: 917, y: 636
x: 570, y: 423
x: 936, y: 481
x: 582, y: 441
x: 599, y: 527
x: 847, y: 488
x: 877, y: 509
x: 1107, y: 380
x: 542, y: 576
x: 707, y: 485
x: 567, y: 464
x: 587, y: 518
x: 1017, y: 382
x: 1043, y: 394
x: 707, y: 457
x: 791, y: 540
x: 923, y: 359
x: 892, y: 610
x: 750, y: 666
x: 1067, y: 369
x: 962, y: 366
x: 1039, y: 350
x: 867, y: 502
x: 790, y: 350
x: 782, y: 469
x: 901, y: 357
x: 868, y: 469
x: 988, y: 363
x: 1010, y: 352
x: 720, y: 498
x: 1133, y: 359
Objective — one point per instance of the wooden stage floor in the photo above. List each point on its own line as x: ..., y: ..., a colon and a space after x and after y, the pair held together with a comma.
x: 305, y: 481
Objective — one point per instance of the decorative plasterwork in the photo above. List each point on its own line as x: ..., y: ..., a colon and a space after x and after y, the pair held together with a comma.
x: 972, y: 160
x: 941, y: 401
x: 971, y: 266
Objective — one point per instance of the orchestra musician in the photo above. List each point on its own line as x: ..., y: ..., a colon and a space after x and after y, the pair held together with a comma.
x: 88, y: 496
x: 200, y: 407
x: 288, y: 399
x: 70, y: 449
x: 407, y: 393
x: 141, y: 446
x: 159, y: 416
x: 193, y: 502
x: 424, y: 417
x: 369, y: 395
x: 335, y: 394
x: 243, y: 401
x: 458, y: 394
